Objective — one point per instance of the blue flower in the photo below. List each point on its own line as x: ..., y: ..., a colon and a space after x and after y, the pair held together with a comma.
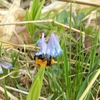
x: 4, y: 65
x: 52, y: 49
x: 42, y: 45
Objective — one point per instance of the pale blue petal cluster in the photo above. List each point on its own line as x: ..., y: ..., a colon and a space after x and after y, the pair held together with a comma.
x: 4, y: 65
x: 42, y: 45
x: 52, y: 48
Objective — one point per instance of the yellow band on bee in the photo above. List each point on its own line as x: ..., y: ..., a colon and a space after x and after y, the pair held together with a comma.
x: 40, y: 63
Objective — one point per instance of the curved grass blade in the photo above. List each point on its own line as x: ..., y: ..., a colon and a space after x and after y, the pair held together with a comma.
x: 35, y: 90
x: 88, y: 79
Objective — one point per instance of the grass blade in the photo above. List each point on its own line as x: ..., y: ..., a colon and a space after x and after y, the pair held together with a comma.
x: 37, y: 85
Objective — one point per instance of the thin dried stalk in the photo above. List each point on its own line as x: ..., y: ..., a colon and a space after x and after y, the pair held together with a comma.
x: 8, y: 93
x: 45, y: 21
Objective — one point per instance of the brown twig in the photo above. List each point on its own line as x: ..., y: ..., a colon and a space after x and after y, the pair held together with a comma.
x: 45, y: 21
x: 19, y: 46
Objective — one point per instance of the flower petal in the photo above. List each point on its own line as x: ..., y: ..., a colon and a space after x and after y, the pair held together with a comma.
x: 6, y: 65
x: 39, y: 42
x: 42, y: 45
x: 50, y: 47
x: 53, y: 47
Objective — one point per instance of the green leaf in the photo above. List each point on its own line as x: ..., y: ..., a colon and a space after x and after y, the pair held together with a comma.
x: 56, y: 84
x: 89, y: 30
x: 34, y: 14
x: 28, y: 17
x: 35, y: 7
x: 37, y: 16
x: 66, y: 69
x: 78, y: 19
x: 36, y: 85
x: 62, y: 17
x: 80, y: 16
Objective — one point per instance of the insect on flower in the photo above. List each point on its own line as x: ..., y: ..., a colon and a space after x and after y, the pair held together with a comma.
x: 4, y: 65
x: 47, y: 51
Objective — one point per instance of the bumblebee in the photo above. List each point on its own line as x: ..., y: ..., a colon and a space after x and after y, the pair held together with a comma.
x: 43, y: 60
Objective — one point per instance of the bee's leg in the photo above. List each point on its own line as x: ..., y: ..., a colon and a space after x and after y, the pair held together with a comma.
x: 49, y: 61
